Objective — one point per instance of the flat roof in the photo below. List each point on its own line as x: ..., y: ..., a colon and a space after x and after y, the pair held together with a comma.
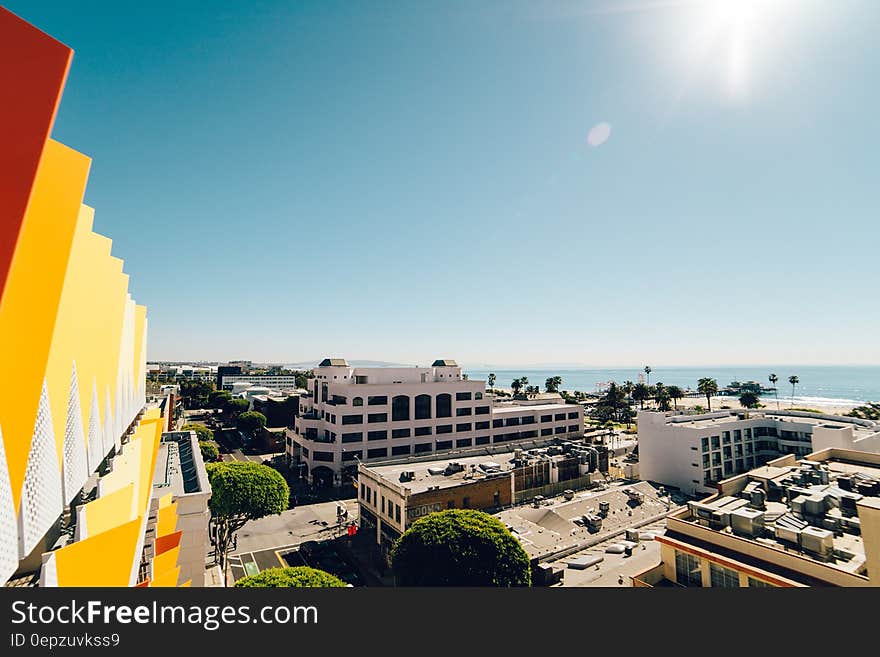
x: 177, y: 468
x: 425, y: 480
x: 828, y: 421
x: 808, y: 505
x: 533, y: 407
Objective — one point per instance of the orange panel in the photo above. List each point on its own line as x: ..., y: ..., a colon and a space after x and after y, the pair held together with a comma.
x: 33, y: 68
x: 169, y: 542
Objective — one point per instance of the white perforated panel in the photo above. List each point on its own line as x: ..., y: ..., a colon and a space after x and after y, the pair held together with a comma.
x: 8, y: 528
x: 75, y: 461
x: 95, y: 446
x: 41, y: 498
x: 109, y: 443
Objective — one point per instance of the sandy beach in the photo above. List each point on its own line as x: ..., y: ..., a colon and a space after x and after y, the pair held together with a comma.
x: 770, y: 405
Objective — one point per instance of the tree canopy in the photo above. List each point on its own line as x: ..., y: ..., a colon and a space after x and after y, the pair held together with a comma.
x: 708, y: 387
x: 552, y: 384
x: 210, y: 451
x: 459, y: 547
x: 251, y: 421
x: 293, y: 577
x: 218, y: 398
x: 749, y: 400
x: 242, y: 491
x: 235, y: 407
x: 203, y: 432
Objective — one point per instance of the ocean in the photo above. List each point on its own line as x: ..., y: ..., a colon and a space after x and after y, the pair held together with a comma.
x: 826, y: 385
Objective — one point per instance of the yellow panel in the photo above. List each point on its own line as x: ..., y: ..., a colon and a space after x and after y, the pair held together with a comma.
x: 186, y: 584
x: 165, y: 500
x: 140, y: 317
x: 36, y: 274
x: 103, y: 560
x: 165, y: 561
x: 110, y: 510
x: 167, y: 579
x: 166, y: 521
x: 154, y: 413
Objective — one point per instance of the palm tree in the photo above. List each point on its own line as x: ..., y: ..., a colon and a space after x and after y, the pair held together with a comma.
x: 491, y: 381
x: 661, y: 395
x: 748, y: 400
x: 793, y: 380
x: 524, y: 380
x: 552, y: 384
x: 648, y: 372
x: 675, y: 393
x: 708, y: 387
x: 627, y: 387
x: 640, y: 393
x: 517, y: 385
x: 773, y: 380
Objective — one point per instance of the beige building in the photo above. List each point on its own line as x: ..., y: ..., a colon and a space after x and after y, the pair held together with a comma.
x: 355, y: 414
x: 808, y: 522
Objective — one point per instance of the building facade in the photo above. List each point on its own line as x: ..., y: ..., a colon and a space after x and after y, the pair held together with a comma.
x: 273, y: 381
x: 790, y: 523
x: 354, y: 414
x: 694, y: 452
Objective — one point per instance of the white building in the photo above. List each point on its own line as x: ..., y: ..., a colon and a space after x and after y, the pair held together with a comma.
x: 694, y: 452
x: 274, y: 381
x: 372, y: 413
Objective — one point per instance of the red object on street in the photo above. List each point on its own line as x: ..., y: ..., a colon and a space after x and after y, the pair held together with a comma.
x: 352, y: 530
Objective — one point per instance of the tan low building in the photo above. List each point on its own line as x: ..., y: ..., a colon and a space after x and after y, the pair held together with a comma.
x: 789, y: 523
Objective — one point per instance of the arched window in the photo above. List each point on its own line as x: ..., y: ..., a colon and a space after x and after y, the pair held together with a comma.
x: 400, y: 408
x: 444, y: 405
x: 357, y: 401
x: 423, y: 407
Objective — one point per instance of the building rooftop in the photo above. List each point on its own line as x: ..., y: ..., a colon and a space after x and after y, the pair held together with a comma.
x: 333, y: 362
x: 444, y: 362
x: 537, y: 408
x: 808, y: 508
x: 179, y: 466
x: 717, y: 418
x: 428, y: 475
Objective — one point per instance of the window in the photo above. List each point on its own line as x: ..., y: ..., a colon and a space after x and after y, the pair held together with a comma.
x: 397, y: 513
x: 479, y: 426
x: 560, y: 430
x: 400, y: 450
x: 725, y: 437
x: 372, y: 418
x: 573, y: 415
x: 705, y: 461
x: 748, y: 434
x: 461, y: 412
x: 383, y: 504
x: 363, y: 491
x: 705, y: 444
x: 716, y: 474
x: 723, y: 577
x: 357, y: 401
x: 737, y: 436
x: 377, y: 453
x: 739, y: 465
x: 572, y: 428
x: 726, y: 452
x: 546, y: 418
x: 423, y: 431
x: 497, y: 423
x: 512, y: 422
x: 377, y: 400
x: 400, y: 433
x: 482, y: 440
x: 527, y: 419
x: 352, y: 419
x: 716, y: 458
x: 464, y: 426
x: 322, y: 456
x: 559, y: 416
x: 444, y: 405
x: 444, y: 428
x: 352, y: 437
x: 377, y: 435
x: 422, y: 447
x: 323, y: 392
x: 444, y: 444
x: 481, y: 410
x: 462, y: 396
x: 547, y: 432
x: 400, y: 408
x: 464, y: 442
x: 478, y: 395
x: 423, y: 407
x: 360, y: 379
x: 716, y: 443
x: 687, y: 569
x: 758, y: 584
x: 305, y: 451
x: 351, y: 456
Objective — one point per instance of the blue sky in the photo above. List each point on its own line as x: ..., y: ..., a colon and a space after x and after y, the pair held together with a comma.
x: 406, y: 181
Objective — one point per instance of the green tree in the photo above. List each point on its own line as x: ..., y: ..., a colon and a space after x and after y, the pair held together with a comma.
x: 628, y: 387
x: 640, y: 393
x: 774, y: 380
x: 295, y: 577
x: 459, y: 547
x: 532, y: 390
x: 661, y: 396
x: 202, y: 432
x: 708, y: 387
x: 749, y: 400
x: 194, y: 394
x: 235, y: 407
x: 251, y: 421
x: 301, y: 379
x: 242, y: 491
x: 210, y: 451
x: 552, y: 384
x: 793, y: 380
x: 491, y: 381
x: 218, y: 399
x: 675, y: 393
x: 517, y: 385
x: 648, y: 371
